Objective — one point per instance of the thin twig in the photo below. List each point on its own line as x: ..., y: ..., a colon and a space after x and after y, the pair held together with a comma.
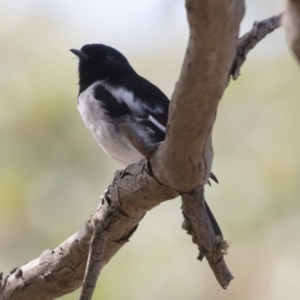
x: 249, y: 40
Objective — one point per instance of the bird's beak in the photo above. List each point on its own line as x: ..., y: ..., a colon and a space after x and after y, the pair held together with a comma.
x: 80, y: 54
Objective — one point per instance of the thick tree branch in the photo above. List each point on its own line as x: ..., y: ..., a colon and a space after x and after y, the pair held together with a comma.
x: 56, y: 272
x: 291, y: 25
x: 184, y: 160
x: 249, y: 40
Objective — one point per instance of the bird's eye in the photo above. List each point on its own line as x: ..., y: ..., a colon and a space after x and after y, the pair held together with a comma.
x: 107, y: 57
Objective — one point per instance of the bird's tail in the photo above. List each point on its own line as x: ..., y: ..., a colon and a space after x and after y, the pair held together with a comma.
x: 213, y: 221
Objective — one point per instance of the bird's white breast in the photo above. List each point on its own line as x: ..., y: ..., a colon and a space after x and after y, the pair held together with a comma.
x: 105, y: 129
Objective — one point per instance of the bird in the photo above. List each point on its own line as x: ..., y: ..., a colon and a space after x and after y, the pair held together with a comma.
x: 119, y: 107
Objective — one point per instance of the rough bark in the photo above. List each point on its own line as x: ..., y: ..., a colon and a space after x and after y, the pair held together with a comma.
x: 198, y: 225
x: 291, y: 25
x: 184, y: 160
x: 56, y: 272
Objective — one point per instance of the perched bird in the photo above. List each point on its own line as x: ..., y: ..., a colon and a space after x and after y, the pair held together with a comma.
x: 116, y: 103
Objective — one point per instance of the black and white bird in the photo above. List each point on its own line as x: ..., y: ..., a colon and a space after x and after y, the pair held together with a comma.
x: 112, y: 94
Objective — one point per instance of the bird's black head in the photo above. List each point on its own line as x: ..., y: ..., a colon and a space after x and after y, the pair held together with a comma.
x: 100, y: 62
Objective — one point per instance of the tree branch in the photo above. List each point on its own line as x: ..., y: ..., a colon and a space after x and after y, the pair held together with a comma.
x: 105, y: 220
x: 291, y: 25
x: 198, y: 225
x: 249, y: 40
x: 56, y: 272
x: 184, y: 160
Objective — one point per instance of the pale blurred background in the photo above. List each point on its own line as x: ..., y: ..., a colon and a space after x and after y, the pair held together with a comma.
x: 52, y: 172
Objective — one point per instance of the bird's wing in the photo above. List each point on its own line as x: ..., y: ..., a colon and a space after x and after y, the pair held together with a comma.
x: 136, y: 97
x: 111, y: 106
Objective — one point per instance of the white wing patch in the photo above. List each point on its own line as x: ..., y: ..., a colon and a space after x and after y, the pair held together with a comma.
x: 123, y: 95
x: 157, y: 124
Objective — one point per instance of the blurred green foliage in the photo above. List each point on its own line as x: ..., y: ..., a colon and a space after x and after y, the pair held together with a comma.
x: 52, y: 172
